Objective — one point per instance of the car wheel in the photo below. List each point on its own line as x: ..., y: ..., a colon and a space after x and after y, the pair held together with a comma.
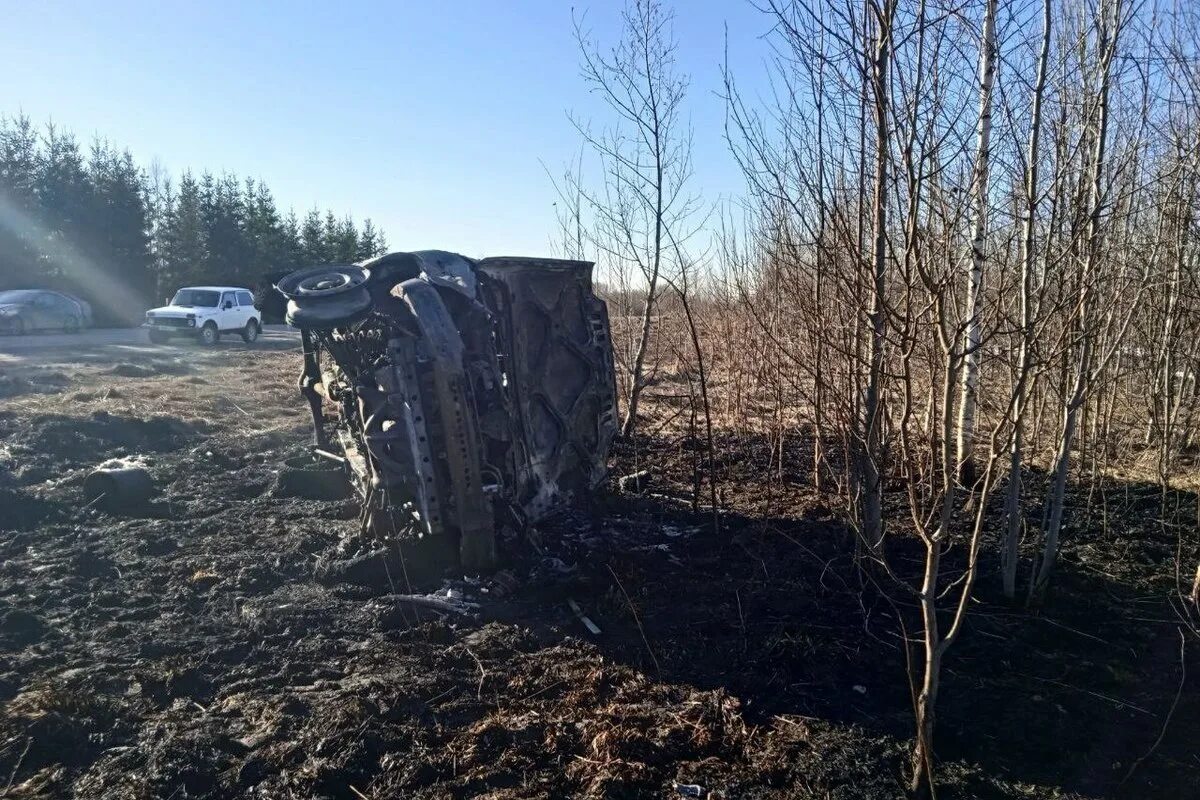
x: 250, y: 333
x: 159, y: 337
x: 71, y: 325
x: 209, y: 335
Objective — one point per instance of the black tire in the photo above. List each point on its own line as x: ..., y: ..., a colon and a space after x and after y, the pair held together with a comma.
x: 326, y: 297
x: 209, y: 335
x: 250, y: 332
x: 159, y: 337
x: 71, y: 325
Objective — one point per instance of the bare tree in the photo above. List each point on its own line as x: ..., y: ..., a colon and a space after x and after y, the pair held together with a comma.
x: 888, y: 155
x: 1111, y: 18
x: 645, y: 158
x: 979, y: 199
x: 882, y: 17
x: 1012, y: 508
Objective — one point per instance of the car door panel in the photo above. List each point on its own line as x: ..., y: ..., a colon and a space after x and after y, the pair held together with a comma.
x: 246, y: 304
x: 43, y: 312
x: 64, y: 311
x: 227, y: 312
x: 243, y: 313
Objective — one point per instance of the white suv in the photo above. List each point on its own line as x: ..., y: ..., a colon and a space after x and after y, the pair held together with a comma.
x: 205, y: 312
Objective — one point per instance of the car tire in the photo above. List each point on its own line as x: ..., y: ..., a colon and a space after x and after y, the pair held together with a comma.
x: 159, y: 337
x: 71, y: 325
x: 250, y: 332
x: 209, y: 335
x: 311, y: 478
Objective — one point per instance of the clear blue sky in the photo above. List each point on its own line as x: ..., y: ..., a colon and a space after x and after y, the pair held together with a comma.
x: 431, y: 118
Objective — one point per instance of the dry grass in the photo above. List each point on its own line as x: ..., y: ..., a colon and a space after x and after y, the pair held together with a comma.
x: 238, y: 390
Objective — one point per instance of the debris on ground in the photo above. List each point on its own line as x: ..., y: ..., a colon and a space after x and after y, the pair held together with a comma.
x: 635, y: 482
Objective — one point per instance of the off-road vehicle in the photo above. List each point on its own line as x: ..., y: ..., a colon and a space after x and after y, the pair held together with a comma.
x: 204, y: 313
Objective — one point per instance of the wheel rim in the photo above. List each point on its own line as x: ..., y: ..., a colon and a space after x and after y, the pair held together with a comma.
x: 209, y: 335
x: 252, y: 331
x: 323, y: 281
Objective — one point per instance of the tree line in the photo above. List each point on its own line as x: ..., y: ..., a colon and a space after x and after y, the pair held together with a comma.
x: 93, y: 222
x: 966, y: 269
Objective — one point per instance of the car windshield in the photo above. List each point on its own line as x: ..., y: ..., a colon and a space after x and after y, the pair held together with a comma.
x: 18, y: 296
x: 196, y: 297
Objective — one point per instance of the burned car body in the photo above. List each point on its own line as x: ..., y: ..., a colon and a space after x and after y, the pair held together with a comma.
x: 461, y: 395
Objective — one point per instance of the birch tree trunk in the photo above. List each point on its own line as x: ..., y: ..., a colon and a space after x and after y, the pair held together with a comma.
x: 970, y: 375
x: 818, y: 453
x: 927, y: 596
x: 637, y: 372
x: 1052, y: 527
x: 1012, y: 505
x: 872, y: 488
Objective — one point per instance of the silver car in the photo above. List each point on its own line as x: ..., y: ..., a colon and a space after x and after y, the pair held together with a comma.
x: 28, y: 310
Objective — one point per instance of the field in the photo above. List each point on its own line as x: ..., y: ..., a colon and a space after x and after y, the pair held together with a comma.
x: 203, y: 647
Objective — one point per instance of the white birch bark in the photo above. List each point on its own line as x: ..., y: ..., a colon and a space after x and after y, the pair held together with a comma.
x: 1012, y: 507
x: 970, y: 374
x: 872, y: 488
x: 1107, y: 40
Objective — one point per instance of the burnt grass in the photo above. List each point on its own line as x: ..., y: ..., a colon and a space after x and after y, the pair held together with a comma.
x: 186, y: 648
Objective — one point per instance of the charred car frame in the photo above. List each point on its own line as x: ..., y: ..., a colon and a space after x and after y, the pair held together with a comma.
x: 460, y: 395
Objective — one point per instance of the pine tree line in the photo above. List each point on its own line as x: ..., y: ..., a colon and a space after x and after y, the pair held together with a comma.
x: 92, y: 222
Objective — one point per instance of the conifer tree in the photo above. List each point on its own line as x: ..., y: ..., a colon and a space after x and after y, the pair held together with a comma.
x: 94, y: 223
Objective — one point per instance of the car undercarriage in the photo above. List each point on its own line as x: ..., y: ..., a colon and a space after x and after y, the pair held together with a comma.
x: 461, y: 396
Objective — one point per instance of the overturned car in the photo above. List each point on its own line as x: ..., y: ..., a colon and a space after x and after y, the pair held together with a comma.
x: 460, y: 395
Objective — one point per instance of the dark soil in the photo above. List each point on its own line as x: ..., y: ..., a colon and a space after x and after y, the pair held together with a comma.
x: 38, y: 382
x: 188, y: 649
